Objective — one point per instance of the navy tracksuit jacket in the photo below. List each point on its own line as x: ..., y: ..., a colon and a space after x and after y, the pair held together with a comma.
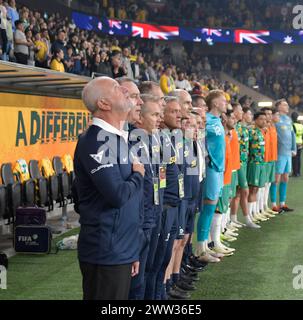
x: 109, y: 203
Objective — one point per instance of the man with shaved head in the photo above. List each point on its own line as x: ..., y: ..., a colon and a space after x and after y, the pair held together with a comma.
x: 108, y: 187
x: 185, y: 101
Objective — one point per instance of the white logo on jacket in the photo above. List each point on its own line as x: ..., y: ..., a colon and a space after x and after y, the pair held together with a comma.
x: 98, y: 157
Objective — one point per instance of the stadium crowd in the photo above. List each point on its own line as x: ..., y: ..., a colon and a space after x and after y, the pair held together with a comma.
x: 55, y: 42
x: 262, y: 72
x: 213, y: 14
x: 58, y: 44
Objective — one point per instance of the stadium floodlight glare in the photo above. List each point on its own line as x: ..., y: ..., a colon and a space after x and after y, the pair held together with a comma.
x: 265, y: 104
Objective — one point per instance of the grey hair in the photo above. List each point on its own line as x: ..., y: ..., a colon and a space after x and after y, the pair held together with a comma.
x: 91, y: 95
x: 147, y: 98
x: 147, y: 86
x: 122, y: 80
x: 169, y: 99
x: 176, y: 93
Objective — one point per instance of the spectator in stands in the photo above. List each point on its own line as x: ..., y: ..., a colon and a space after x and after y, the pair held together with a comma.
x: 3, y: 27
x: 118, y: 70
x: 111, y: 11
x: 167, y: 83
x: 136, y: 68
x: 115, y: 46
x: 104, y: 64
x: 96, y: 64
x: 31, y: 47
x: 24, y: 17
x: 152, y: 73
x: 69, y: 60
x: 46, y: 39
x: 84, y: 68
x: 41, y: 51
x: 182, y: 83
x: 126, y: 63
x: 141, y: 15
x: 56, y: 63
x: 12, y: 13
x: 59, y: 43
x: 21, y: 44
x: 74, y: 43
x: 122, y: 15
x: 107, y: 260
x: 144, y: 72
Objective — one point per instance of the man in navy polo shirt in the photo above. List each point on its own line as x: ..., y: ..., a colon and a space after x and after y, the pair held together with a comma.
x: 108, y: 187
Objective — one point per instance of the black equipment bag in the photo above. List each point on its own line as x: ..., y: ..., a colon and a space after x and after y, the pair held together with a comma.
x: 30, y: 216
x: 32, y: 239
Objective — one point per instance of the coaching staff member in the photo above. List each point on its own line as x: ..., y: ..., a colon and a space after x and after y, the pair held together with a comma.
x: 108, y: 247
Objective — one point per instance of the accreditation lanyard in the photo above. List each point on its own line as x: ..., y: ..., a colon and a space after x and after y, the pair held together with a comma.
x: 155, y: 179
x: 181, y: 175
x: 162, y: 169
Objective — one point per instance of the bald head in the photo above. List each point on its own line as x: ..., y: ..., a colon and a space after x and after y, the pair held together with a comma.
x: 185, y: 101
x: 95, y: 90
x: 104, y: 94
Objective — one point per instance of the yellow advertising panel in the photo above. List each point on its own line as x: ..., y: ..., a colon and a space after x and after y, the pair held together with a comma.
x: 34, y: 127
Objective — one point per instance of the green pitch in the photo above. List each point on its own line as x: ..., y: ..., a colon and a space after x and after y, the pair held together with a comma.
x: 261, y: 268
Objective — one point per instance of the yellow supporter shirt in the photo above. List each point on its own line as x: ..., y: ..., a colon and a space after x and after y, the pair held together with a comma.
x: 133, y: 58
x: 122, y: 14
x: 111, y: 12
x: 115, y: 48
x: 141, y: 15
x: 167, y: 84
x: 227, y: 96
x: 40, y: 55
x: 57, y: 65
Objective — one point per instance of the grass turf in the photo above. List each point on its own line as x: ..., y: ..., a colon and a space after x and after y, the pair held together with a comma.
x: 261, y: 268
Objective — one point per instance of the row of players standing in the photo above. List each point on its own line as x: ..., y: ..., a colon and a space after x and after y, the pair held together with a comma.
x: 137, y: 217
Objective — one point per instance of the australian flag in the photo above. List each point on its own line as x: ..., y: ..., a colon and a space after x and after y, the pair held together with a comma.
x: 207, y: 35
x: 148, y: 31
x: 116, y: 27
x: 252, y: 36
x: 85, y: 22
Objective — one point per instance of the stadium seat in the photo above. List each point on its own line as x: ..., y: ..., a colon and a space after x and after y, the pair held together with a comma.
x: 53, y: 181
x: 28, y: 185
x: 14, y: 189
x: 3, y: 202
x: 64, y: 184
x: 41, y: 184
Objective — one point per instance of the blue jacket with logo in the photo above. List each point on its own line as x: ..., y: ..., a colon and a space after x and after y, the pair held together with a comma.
x: 142, y: 147
x: 108, y: 199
